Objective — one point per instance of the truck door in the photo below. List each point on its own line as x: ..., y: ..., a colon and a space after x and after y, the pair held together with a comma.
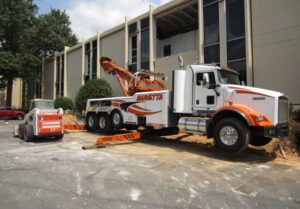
x: 205, y: 97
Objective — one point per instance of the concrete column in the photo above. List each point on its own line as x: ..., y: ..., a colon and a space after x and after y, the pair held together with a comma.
x: 249, y: 47
x: 83, y: 62
x: 201, y: 32
x: 151, y: 39
x: 98, y: 54
x: 223, y: 35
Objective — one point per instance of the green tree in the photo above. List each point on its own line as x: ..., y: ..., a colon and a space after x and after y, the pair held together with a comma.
x: 17, y: 18
x: 26, y: 38
x: 97, y: 88
x: 63, y: 102
x: 9, y: 70
x: 52, y: 33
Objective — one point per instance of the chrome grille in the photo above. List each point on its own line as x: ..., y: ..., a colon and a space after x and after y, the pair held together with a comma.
x: 283, y: 110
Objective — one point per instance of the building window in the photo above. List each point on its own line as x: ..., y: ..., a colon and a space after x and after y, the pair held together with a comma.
x: 94, y: 59
x: 62, y: 81
x: 145, y: 44
x: 87, y: 69
x: 236, y: 44
x: 132, y: 30
x: 57, y: 76
x: 211, y: 31
x: 167, y: 50
x: 133, y: 54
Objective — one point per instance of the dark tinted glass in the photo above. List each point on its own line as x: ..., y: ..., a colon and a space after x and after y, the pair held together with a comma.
x: 145, y: 23
x: 212, y: 54
x: 145, y: 45
x: 236, y: 49
x: 235, y: 14
x: 94, y: 61
x: 134, y: 42
x: 211, y: 24
x: 205, y: 2
x: 132, y: 68
x: 145, y: 65
x: 240, y: 67
x: 167, y: 50
x: 95, y: 44
x: 132, y: 28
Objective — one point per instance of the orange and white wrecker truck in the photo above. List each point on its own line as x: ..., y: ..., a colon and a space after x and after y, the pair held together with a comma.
x: 42, y: 120
x: 206, y: 100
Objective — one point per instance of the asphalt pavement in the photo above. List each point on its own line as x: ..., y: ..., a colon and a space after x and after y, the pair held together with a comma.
x: 152, y: 173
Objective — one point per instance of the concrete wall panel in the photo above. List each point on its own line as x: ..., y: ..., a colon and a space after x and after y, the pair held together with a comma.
x: 276, y: 45
x: 74, y: 72
x: 166, y: 65
x: 113, y: 46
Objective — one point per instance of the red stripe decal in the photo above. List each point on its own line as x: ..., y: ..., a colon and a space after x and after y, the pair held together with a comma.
x: 140, y: 108
x: 139, y: 113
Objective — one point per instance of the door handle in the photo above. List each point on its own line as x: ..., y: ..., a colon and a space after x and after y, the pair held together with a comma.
x: 197, y: 102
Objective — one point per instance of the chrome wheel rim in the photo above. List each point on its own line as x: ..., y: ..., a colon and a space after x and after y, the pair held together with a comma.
x: 117, y: 119
x: 102, y: 122
x: 91, y: 121
x: 229, y: 135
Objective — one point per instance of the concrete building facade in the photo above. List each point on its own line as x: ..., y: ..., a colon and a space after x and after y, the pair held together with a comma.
x: 258, y: 38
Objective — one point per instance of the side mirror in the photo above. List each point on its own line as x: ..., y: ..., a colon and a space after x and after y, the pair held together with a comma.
x: 243, y: 83
x: 206, y: 83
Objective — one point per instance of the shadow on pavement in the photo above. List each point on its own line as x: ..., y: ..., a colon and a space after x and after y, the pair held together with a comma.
x: 247, y: 156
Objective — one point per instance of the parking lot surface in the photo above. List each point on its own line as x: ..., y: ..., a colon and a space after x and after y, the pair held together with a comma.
x: 151, y: 173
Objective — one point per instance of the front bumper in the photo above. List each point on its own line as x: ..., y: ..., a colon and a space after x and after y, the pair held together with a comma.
x: 278, y: 131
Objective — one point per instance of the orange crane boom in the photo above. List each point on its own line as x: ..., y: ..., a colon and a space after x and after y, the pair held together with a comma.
x: 137, y: 82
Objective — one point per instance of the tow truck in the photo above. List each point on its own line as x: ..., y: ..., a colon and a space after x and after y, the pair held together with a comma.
x: 206, y: 100
x: 42, y: 120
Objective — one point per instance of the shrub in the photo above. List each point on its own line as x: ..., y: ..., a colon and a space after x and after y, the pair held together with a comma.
x: 97, y: 88
x: 64, y: 102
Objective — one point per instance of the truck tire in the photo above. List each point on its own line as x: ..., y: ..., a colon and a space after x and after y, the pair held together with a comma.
x: 116, y: 120
x: 104, y: 123
x: 91, y: 122
x: 260, y: 141
x: 231, y: 135
x: 28, y: 133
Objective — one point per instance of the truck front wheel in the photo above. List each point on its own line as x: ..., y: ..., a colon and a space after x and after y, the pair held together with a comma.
x: 260, y: 140
x: 231, y: 135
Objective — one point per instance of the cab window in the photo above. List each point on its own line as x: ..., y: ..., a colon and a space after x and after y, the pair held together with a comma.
x: 201, y: 81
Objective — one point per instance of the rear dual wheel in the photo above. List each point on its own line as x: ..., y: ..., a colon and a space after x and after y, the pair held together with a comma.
x: 92, y: 122
x: 104, y: 123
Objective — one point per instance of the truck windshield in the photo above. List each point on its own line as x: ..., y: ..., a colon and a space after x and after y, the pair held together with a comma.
x: 228, y: 77
x: 43, y: 105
